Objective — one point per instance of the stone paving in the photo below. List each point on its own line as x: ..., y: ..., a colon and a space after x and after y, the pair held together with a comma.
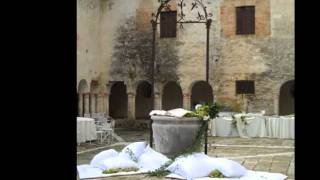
x: 260, y: 154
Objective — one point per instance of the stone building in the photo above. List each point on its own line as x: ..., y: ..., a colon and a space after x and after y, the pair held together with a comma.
x: 251, y: 40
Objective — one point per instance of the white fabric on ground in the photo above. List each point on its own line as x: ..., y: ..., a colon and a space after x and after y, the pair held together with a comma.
x: 197, y: 164
x: 119, y: 161
x: 136, y: 148
x: 250, y: 175
x: 228, y: 167
x: 192, y: 166
x: 200, y: 165
x: 151, y: 160
x: 87, y: 171
x: 97, y: 160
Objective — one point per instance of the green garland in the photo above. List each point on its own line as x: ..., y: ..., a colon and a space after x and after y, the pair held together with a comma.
x: 210, y: 110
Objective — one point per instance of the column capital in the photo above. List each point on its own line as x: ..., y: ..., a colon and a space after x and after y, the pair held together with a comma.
x: 131, y: 94
x: 186, y: 95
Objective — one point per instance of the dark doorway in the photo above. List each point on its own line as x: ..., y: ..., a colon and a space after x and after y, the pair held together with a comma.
x: 172, y: 96
x: 201, y: 93
x: 118, y: 101
x: 286, y: 99
x: 144, y: 100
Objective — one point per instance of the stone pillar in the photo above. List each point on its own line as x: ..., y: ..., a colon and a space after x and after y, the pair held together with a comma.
x: 106, y: 104
x: 186, y: 101
x: 96, y: 103
x: 100, y: 103
x: 276, y: 103
x: 80, y: 104
x: 157, y: 101
x: 86, y: 105
x: 131, y: 106
x: 92, y: 104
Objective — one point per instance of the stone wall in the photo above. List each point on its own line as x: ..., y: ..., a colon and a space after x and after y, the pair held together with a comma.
x: 266, y: 57
x: 114, y: 44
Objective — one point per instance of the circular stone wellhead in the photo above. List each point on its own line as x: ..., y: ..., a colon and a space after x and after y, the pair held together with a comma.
x: 172, y: 135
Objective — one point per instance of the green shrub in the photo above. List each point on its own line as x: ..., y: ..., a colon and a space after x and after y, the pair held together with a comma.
x: 216, y: 174
x: 116, y: 170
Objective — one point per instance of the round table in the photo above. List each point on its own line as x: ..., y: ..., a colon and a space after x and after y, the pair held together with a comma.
x: 86, y: 130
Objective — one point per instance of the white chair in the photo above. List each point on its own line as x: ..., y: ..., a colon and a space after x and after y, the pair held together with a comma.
x: 105, y: 129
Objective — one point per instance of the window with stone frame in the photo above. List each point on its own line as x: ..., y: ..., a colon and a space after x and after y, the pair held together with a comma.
x: 245, y: 20
x: 245, y: 87
x: 168, y: 24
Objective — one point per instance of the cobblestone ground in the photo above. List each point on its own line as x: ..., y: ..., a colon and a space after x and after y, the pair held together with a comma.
x: 260, y: 154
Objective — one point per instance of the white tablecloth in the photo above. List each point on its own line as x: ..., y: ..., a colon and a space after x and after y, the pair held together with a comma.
x: 280, y: 127
x: 220, y: 126
x: 86, y: 129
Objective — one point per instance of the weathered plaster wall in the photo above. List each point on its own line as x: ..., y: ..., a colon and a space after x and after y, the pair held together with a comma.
x: 88, y: 49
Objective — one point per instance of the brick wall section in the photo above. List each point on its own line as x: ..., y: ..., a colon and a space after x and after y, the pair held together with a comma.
x: 262, y: 16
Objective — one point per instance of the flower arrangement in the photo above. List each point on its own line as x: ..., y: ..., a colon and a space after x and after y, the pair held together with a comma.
x: 205, y: 111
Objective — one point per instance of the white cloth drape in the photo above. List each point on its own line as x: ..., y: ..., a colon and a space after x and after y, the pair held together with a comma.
x: 280, y: 127
x: 258, y: 126
x: 86, y: 130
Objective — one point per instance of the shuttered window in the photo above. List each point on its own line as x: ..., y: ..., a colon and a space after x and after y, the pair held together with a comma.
x: 168, y: 24
x: 245, y: 87
x: 245, y: 20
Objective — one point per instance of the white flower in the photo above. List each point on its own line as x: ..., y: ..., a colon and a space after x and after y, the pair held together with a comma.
x: 197, y: 106
x: 205, y: 118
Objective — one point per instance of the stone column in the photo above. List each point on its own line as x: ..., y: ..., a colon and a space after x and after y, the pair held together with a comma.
x: 157, y: 101
x: 100, y: 103
x: 106, y: 104
x: 96, y: 103
x: 86, y: 105
x: 92, y: 104
x: 276, y: 103
x: 131, y: 106
x: 186, y: 101
x: 80, y: 104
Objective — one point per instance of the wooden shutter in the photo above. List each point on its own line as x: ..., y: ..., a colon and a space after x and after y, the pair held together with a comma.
x: 240, y: 16
x: 168, y: 24
x: 245, y: 17
x: 250, y: 19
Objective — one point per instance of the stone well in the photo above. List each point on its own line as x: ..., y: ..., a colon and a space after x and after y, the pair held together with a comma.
x: 172, y: 135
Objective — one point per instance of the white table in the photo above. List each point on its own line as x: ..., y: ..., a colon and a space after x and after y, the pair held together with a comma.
x: 222, y: 126
x: 280, y: 127
x: 257, y: 127
x: 86, y: 130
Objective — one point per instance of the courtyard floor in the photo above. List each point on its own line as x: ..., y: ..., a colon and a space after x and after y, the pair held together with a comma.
x: 260, y: 154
